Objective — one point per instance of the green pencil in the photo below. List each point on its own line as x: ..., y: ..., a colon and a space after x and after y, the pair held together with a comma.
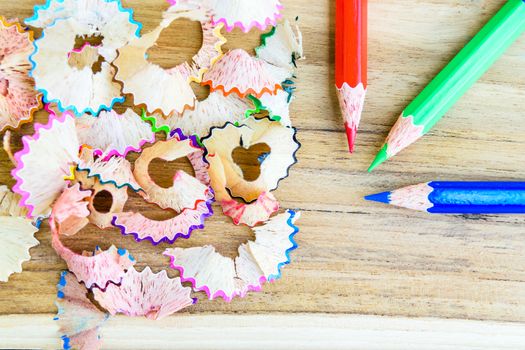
x: 453, y: 81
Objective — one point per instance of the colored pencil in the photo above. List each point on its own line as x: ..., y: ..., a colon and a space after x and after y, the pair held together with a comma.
x: 458, y: 197
x: 455, y: 79
x: 351, y: 57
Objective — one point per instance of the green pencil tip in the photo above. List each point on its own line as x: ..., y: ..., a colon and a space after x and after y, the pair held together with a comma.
x: 380, y: 158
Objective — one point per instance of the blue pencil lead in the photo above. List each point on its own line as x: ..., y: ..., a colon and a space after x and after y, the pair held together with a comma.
x: 383, y: 197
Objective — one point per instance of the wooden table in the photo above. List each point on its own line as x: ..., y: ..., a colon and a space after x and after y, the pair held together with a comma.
x: 355, y: 257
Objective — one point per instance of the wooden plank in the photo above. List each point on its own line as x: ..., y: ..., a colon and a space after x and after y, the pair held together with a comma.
x: 274, y: 331
x: 354, y: 256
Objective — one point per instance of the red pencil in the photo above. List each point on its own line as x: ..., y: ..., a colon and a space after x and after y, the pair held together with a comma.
x: 351, y: 55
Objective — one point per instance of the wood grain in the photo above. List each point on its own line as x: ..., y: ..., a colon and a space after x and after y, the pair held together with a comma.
x: 354, y: 256
x: 286, y: 332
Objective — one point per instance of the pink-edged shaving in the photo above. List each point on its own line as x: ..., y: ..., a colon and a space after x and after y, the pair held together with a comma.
x: 44, y: 162
x: 200, y: 167
x: 95, y: 269
x: 258, y: 261
x: 154, y: 296
x: 246, y: 14
x: 243, y: 14
x: 212, y: 40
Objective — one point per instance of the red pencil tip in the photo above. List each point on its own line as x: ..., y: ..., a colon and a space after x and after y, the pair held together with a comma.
x: 351, y: 134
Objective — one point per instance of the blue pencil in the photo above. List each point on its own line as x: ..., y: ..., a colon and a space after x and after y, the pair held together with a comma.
x: 447, y: 197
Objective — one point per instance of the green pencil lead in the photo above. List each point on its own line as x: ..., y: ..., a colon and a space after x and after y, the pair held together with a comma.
x: 380, y: 158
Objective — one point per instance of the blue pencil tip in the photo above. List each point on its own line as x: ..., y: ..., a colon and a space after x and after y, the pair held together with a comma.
x: 383, y: 197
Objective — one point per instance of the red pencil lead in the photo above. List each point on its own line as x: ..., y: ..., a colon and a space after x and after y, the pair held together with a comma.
x: 351, y: 134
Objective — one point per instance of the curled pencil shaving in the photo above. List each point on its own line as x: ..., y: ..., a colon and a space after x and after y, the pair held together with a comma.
x: 7, y: 147
x: 154, y: 296
x: 79, y: 321
x: 258, y: 261
x: 112, y: 134
x: 115, y: 170
x: 17, y: 234
x: 81, y: 89
x: 119, y: 197
x: 246, y: 14
x: 169, y: 230
x: 168, y: 91
x: 44, y: 162
x: 18, y: 98
x: 214, y: 111
x: 95, y: 269
x: 274, y: 165
x: 238, y: 72
x: 241, y: 213
x: 181, y: 225
x: 186, y: 191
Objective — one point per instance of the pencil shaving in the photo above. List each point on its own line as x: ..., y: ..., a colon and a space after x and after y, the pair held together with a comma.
x: 167, y: 231
x: 154, y: 296
x: 186, y: 191
x: 238, y: 72
x: 17, y: 234
x: 214, y: 111
x: 274, y: 165
x: 119, y: 197
x: 283, y: 46
x: 258, y: 261
x: 115, y: 170
x: 277, y: 106
x: 18, y: 98
x: 44, y: 162
x: 168, y: 91
x: 241, y: 213
x: 79, y: 321
x: 95, y: 269
x: 246, y: 14
x: 112, y: 134
x: 81, y: 89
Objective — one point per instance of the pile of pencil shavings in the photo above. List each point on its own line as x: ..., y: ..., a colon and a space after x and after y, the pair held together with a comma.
x: 82, y: 151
